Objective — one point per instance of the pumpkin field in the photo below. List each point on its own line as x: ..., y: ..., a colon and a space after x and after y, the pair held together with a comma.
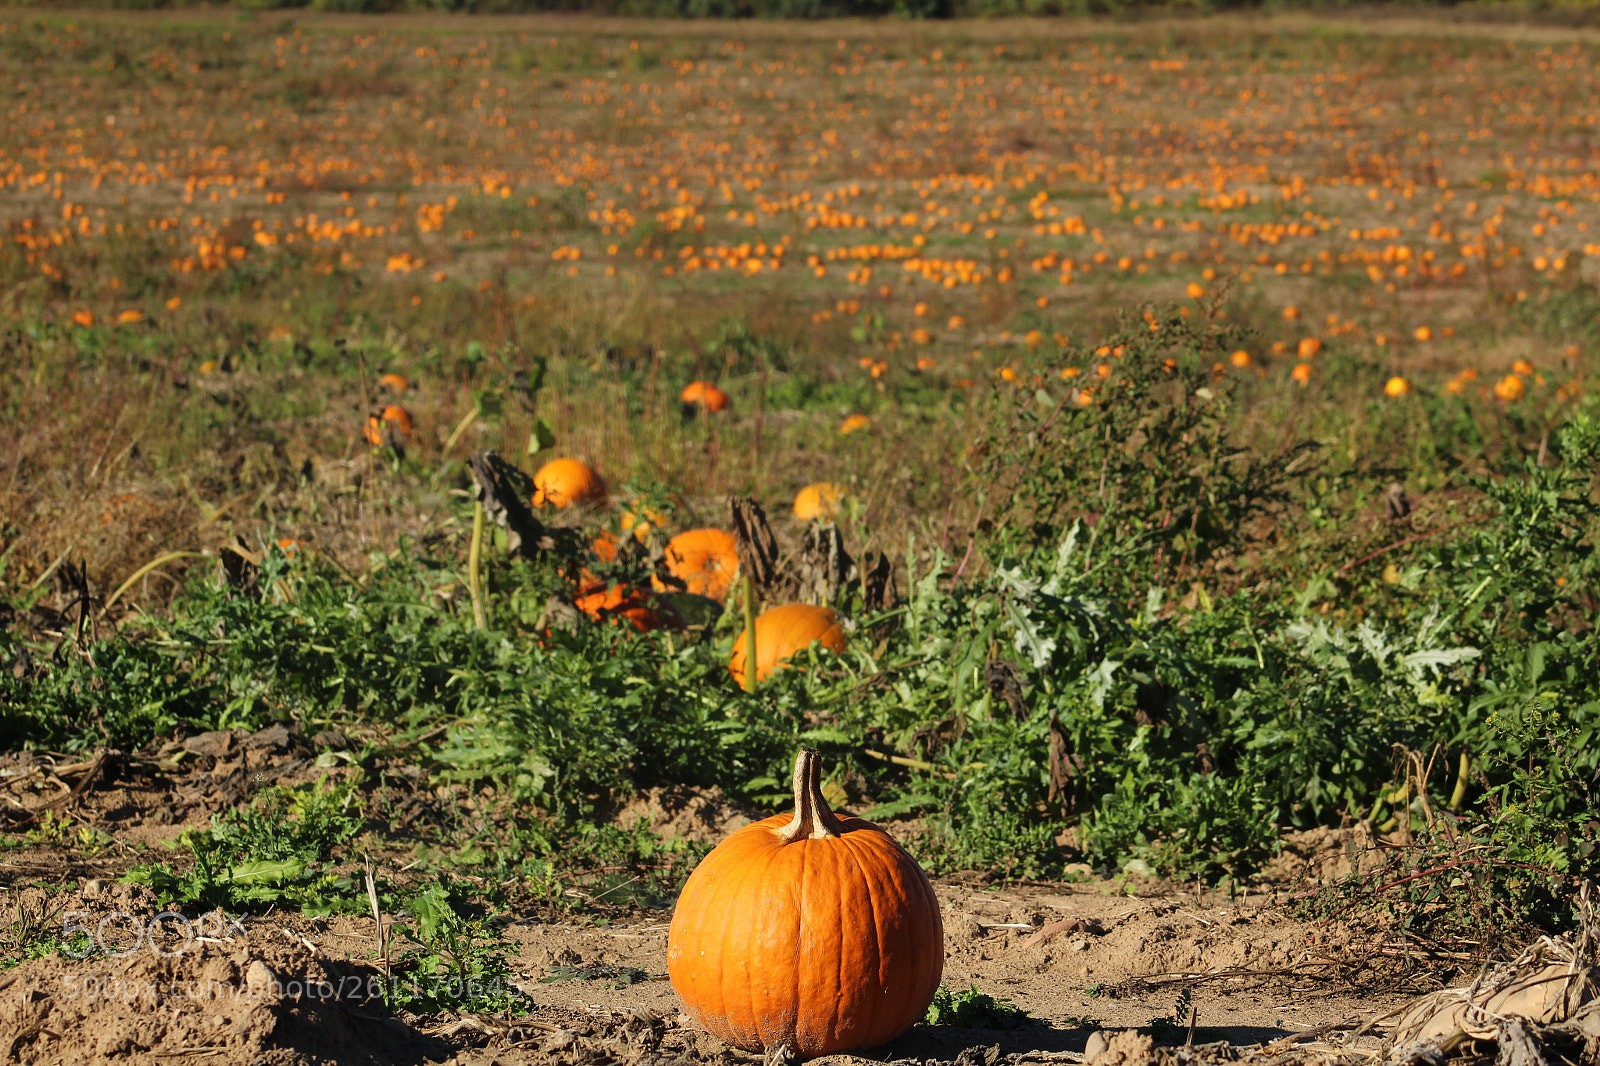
x: 456, y: 471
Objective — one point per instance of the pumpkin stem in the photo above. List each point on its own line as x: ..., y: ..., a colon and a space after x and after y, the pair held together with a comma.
x: 813, y: 819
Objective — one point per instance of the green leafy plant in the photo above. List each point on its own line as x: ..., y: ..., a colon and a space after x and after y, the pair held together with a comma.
x: 1141, y: 441
x: 38, y: 931
x: 56, y: 828
x: 1168, y: 1026
x: 272, y: 852
x: 970, y: 1008
x: 1496, y: 876
x: 460, y: 964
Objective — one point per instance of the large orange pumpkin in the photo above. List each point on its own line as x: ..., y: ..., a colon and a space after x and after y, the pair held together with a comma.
x: 563, y: 482
x: 782, y: 631
x: 819, y: 501
x: 813, y: 931
x: 705, y: 560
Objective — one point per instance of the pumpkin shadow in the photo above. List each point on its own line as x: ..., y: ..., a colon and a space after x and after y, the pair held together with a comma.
x: 987, y: 1047
x: 979, y: 1047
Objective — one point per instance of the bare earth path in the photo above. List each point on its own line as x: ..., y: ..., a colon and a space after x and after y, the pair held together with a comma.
x: 1150, y: 961
x: 1071, y: 955
x: 1079, y: 958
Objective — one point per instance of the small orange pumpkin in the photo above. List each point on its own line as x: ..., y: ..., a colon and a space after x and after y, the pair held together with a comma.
x: 393, y: 418
x: 818, y: 502
x: 816, y: 932
x: 602, y: 602
x: 563, y: 482
x: 782, y: 631
x: 605, y: 546
x: 705, y: 560
x: 855, y: 422
x: 704, y: 395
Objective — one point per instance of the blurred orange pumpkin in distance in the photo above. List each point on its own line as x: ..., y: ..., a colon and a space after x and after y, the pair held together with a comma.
x: 704, y: 395
x: 818, y: 502
x: 564, y: 482
x: 605, y: 546
x: 615, y: 602
x: 394, y: 417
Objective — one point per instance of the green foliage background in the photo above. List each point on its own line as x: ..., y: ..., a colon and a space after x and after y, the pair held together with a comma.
x: 1196, y: 729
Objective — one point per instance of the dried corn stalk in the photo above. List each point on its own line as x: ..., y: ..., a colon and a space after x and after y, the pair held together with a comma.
x: 878, y: 592
x: 1551, y: 989
x: 504, y: 492
x: 822, y: 566
x: 757, y: 548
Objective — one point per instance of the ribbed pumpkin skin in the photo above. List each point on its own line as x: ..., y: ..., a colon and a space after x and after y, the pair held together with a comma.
x: 828, y: 945
x: 782, y: 631
x: 705, y: 560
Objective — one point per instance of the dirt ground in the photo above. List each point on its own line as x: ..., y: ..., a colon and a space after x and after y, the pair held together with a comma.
x: 1117, y: 969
